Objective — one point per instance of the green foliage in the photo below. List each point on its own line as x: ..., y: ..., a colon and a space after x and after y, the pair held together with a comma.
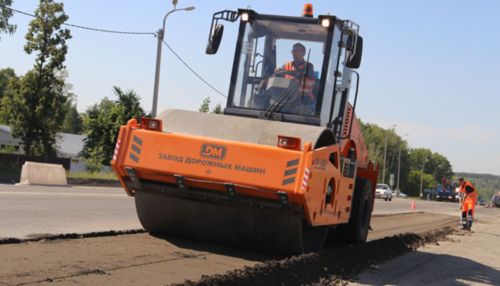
x: 375, y: 137
x: 412, y: 160
x: 415, y: 178
x: 101, y: 124
x: 26, y: 110
x: 485, y: 194
x: 94, y: 159
x: 217, y: 109
x: 35, y: 106
x: 73, y: 122
x: 8, y: 79
x: 5, y: 14
x: 128, y: 103
x: 6, y: 75
x: 46, y: 37
x: 205, y: 106
x: 92, y: 176
x: 433, y: 163
x: 7, y: 149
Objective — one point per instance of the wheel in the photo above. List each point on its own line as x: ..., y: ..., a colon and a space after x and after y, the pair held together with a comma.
x: 390, y: 199
x: 356, y: 231
x: 385, y: 199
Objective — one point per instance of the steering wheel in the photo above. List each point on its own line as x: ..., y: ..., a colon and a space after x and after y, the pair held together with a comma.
x: 282, y: 72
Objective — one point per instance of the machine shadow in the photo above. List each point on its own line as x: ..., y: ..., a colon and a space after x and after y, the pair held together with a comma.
x: 214, y: 248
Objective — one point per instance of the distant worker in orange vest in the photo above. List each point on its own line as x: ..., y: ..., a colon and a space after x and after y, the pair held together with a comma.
x: 469, y: 199
x: 302, y: 71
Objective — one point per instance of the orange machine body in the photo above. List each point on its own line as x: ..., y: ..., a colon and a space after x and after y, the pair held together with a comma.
x: 296, y: 177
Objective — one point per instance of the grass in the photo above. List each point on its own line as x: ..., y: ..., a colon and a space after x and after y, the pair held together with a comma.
x: 89, y: 176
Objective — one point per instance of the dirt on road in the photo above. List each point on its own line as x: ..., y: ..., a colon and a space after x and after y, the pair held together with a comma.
x: 146, y: 260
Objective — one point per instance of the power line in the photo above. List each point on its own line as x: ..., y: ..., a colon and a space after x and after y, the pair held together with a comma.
x: 109, y: 31
x: 84, y: 27
x: 131, y: 33
x: 193, y: 71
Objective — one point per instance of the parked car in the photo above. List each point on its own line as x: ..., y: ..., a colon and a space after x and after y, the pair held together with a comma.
x: 496, y: 200
x: 401, y: 194
x: 430, y: 194
x: 383, y: 191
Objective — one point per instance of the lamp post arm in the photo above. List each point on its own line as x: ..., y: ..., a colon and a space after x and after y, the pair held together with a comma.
x: 166, y: 16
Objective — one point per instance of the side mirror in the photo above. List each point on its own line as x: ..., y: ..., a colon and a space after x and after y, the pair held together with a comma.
x: 214, y: 40
x: 355, y: 61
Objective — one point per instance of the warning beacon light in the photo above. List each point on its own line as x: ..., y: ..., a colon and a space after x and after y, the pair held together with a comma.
x: 308, y: 10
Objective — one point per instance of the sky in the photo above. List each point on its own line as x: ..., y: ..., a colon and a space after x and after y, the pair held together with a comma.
x: 430, y: 68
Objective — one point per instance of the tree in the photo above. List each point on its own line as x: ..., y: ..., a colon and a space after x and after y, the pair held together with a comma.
x: 101, y: 124
x: 217, y: 109
x: 205, y: 105
x: 5, y: 14
x: 8, y: 78
x: 375, y: 137
x: 436, y: 164
x: 415, y: 178
x: 129, y: 102
x: 98, y: 122
x: 73, y: 122
x: 36, y: 106
x: 6, y: 75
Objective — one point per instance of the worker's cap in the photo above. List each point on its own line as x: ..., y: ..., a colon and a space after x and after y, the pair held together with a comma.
x: 460, y: 179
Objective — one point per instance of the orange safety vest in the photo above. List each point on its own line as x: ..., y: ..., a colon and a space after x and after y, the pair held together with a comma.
x: 469, y: 199
x: 306, y: 87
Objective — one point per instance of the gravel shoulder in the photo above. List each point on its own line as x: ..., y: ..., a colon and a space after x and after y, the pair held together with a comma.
x: 464, y: 258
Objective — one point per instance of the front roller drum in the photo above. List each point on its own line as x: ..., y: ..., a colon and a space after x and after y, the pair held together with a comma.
x: 275, y: 230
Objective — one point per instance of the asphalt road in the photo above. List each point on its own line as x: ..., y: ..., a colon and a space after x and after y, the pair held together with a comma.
x: 30, y: 211
x: 27, y: 211
x: 398, y: 205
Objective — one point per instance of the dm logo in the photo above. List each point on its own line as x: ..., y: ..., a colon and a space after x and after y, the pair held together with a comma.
x: 213, y: 151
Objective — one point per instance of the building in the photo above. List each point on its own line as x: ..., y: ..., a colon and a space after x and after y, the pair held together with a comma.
x: 68, y: 146
x: 6, y: 140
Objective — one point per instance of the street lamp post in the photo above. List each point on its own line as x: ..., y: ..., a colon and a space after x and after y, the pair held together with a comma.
x: 385, y: 154
x: 399, y: 171
x: 161, y: 34
x: 434, y: 174
x: 422, y: 179
x: 399, y: 168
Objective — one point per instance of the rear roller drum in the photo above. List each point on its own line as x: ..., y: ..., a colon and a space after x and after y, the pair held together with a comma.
x: 278, y: 231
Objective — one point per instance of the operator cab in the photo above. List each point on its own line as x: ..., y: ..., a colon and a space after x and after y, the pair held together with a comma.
x: 294, y: 69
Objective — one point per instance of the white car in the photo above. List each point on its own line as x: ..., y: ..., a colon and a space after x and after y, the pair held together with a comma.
x: 401, y: 195
x: 383, y: 191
